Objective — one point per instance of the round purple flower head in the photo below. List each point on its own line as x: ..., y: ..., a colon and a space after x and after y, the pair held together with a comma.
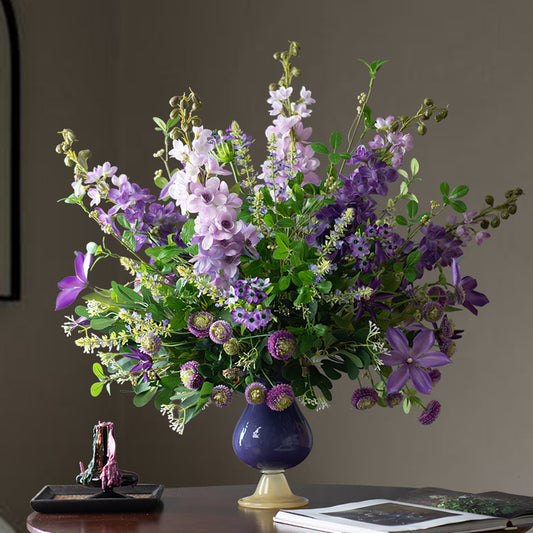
x: 255, y: 393
x: 221, y: 396
x: 432, y: 311
x: 199, y: 323
x: 220, y: 332
x: 280, y: 397
x: 190, y: 377
x: 233, y: 374
x: 231, y: 347
x: 393, y: 399
x: 364, y: 398
x: 282, y: 345
x: 430, y: 414
x: 150, y: 343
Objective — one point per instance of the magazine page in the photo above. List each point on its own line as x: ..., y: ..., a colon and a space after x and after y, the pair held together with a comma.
x: 375, y: 515
x: 499, y: 504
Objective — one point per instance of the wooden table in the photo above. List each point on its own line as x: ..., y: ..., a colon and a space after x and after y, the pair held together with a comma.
x: 202, y: 510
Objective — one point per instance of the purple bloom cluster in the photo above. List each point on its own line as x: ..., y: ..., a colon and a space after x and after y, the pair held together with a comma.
x: 255, y: 393
x: 147, y: 219
x: 364, y: 398
x: 220, y: 332
x: 190, y: 376
x: 280, y: 397
x: 145, y: 362
x: 282, y: 345
x: 199, y: 323
x: 220, y: 396
x: 251, y: 319
x: 430, y: 414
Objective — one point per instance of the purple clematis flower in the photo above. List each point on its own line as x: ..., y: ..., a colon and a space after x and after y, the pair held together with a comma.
x: 465, y: 293
x: 413, y: 360
x: 145, y: 362
x: 73, y: 285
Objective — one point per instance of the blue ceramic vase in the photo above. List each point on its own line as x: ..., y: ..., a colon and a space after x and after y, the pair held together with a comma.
x: 272, y: 441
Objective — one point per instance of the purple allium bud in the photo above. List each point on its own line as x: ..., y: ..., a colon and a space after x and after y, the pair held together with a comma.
x: 190, y: 377
x: 282, y: 345
x: 364, y: 398
x: 221, y: 396
x: 255, y: 393
x: 280, y: 397
x: 430, y: 414
x: 435, y: 375
x: 199, y: 323
x: 233, y: 374
x: 393, y: 399
x: 438, y: 294
x: 150, y: 343
x: 232, y: 346
x: 220, y: 332
x: 432, y: 311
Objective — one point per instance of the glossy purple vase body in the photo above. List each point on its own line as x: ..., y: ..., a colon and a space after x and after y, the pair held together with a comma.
x: 272, y: 440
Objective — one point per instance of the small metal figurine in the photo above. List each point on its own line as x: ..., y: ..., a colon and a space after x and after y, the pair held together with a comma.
x: 103, y: 469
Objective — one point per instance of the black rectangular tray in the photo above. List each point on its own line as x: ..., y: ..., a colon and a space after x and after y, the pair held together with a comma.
x: 75, y: 499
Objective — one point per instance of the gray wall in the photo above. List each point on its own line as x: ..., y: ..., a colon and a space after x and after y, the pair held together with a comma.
x: 105, y: 68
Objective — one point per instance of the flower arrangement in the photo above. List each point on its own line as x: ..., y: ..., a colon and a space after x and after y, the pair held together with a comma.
x: 285, y: 282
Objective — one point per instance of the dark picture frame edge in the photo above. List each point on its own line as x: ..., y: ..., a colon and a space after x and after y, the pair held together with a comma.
x: 14, y: 291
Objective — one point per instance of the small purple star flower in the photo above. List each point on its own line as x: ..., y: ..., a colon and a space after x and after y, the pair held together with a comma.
x: 70, y: 287
x: 413, y: 361
x: 280, y: 397
x: 430, y: 414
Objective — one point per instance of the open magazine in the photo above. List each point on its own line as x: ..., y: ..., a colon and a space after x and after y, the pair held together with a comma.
x: 437, y: 510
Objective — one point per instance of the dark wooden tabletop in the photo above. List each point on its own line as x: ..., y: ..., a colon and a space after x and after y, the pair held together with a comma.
x: 202, y: 510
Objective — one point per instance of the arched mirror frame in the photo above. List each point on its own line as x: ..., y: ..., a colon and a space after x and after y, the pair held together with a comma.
x: 9, y: 155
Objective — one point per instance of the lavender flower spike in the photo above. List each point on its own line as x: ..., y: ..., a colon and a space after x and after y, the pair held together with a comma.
x: 70, y: 287
x: 413, y: 361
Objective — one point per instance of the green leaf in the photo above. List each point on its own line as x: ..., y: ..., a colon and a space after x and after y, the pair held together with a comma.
x: 324, y: 286
x: 444, y: 188
x: 406, y: 405
x: 82, y: 311
x: 335, y: 140
x: 307, y: 276
x: 170, y: 381
x: 459, y: 191
x: 345, y: 155
x: 98, y: 371
x: 284, y: 282
x: 102, y: 323
x: 401, y: 220
x: 458, y: 205
x: 320, y: 148
x: 125, y: 293
x: 413, y: 258
x: 415, y: 167
x: 143, y: 398
x: 321, y: 329
x: 96, y: 388
x: 281, y: 253
x: 206, y: 389
x: 160, y: 181
x: 283, y: 240
x: 411, y: 273
x: 187, y: 231
x: 404, y: 188
x: 334, y: 158
x: 412, y: 208
x: 269, y: 220
x: 163, y: 398
x: 160, y: 123
x: 367, y: 113
x: 286, y: 223
x: 304, y: 296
